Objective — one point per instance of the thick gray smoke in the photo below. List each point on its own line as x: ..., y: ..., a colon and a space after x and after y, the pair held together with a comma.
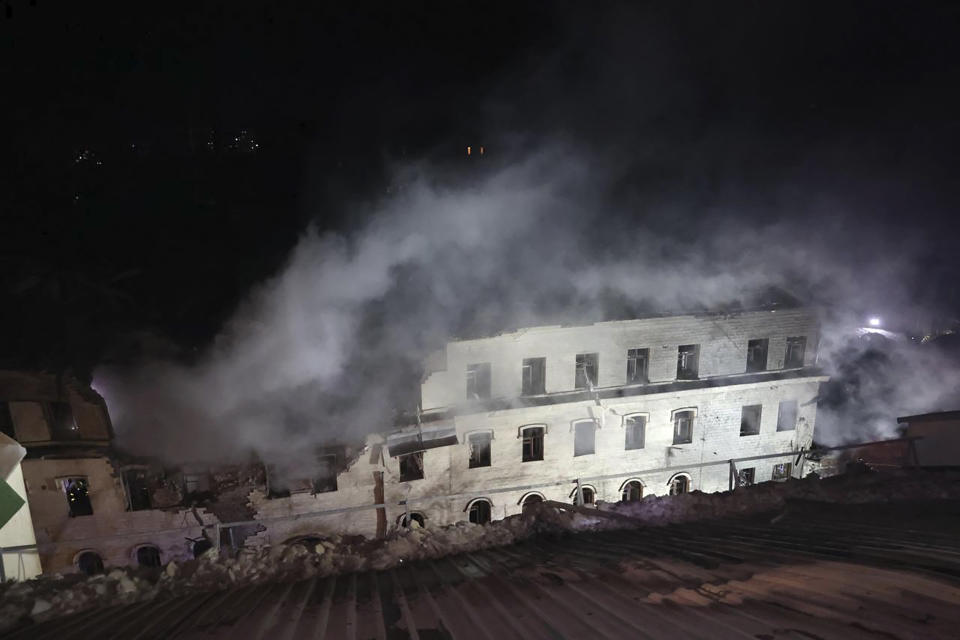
x: 330, y: 348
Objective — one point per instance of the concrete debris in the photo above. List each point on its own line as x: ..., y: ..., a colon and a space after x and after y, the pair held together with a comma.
x: 57, y: 595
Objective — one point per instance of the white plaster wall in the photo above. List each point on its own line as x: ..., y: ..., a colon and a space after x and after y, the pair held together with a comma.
x: 722, y: 339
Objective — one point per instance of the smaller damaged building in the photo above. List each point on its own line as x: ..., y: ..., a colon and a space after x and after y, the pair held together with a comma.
x: 89, y: 510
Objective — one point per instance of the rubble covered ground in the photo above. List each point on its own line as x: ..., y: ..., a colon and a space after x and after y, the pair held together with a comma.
x: 49, y: 597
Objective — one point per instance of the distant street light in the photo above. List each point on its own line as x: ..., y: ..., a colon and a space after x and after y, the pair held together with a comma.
x: 874, y: 322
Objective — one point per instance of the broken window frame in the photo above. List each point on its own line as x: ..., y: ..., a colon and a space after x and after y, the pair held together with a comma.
x: 746, y: 477
x: 589, y: 493
x: 638, y: 365
x: 782, y: 471
x: 480, y: 511
x: 757, y: 351
x: 586, y: 370
x: 787, y: 420
x: 78, y: 503
x: 688, y: 362
x: 411, y: 466
x: 584, y: 438
x: 534, y: 377
x: 138, y: 489
x: 683, y: 420
x: 750, y: 416
x: 325, y: 482
x: 478, y: 381
x: 679, y: 484
x: 631, y: 491
x: 532, y: 442
x: 479, y: 445
x: 631, y: 426
x: 795, y: 353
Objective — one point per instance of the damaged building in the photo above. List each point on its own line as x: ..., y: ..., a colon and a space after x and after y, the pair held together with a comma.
x: 576, y: 414
x: 633, y: 408
x: 89, y: 508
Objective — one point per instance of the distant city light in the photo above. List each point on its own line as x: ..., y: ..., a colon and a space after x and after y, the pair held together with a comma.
x: 874, y: 322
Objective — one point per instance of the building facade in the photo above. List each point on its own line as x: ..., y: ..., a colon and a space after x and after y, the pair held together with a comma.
x: 643, y: 403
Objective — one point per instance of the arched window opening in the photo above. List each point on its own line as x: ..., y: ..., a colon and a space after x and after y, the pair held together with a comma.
x: 632, y: 491
x: 679, y: 484
x: 90, y: 563
x: 148, y: 556
x: 413, y: 520
x: 480, y: 511
x: 529, y: 500
x: 589, y: 495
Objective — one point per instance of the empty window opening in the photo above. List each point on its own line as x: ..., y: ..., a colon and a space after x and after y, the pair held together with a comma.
x: 637, y: 360
x: 412, y: 520
x: 201, y: 546
x: 90, y: 563
x: 196, y: 483
x: 634, y: 432
x: 750, y: 420
x: 534, y: 376
x: 533, y: 444
x: 586, y: 371
x: 683, y: 427
x: 746, y: 477
x: 679, y: 484
x: 78, y: 497
x: 584, y: 438
x: 757, y: 355
x: 148, y: 556
x: 62, y: 424
x: 530, y: 500
x: 480, y: 512
x: 795, y: 352
x: 782, y: 471
x: 326, y: 478
x: 479, y: 450
x: 6, y: 421
x: 478, y: 381
x: 589, y: 495
x: 138, y: 490
x: 688, y: 362
x: 787, y: 417
x: 632, y: 491
x: 411, y: 466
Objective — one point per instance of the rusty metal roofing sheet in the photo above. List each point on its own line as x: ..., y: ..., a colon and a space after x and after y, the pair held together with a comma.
x: 811, y: 572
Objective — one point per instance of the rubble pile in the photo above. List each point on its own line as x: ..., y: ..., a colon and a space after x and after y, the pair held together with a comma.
x: 57, y: 595
x: 852, y: 488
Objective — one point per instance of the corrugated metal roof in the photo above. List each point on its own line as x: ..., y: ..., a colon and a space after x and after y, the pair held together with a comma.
x: 811, y: 572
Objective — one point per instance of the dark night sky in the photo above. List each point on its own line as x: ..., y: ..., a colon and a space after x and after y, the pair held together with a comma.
x: 718, y: 103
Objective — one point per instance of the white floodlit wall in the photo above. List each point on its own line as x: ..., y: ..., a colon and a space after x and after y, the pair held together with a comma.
x: 722, y: 339
x: 717, y: 398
